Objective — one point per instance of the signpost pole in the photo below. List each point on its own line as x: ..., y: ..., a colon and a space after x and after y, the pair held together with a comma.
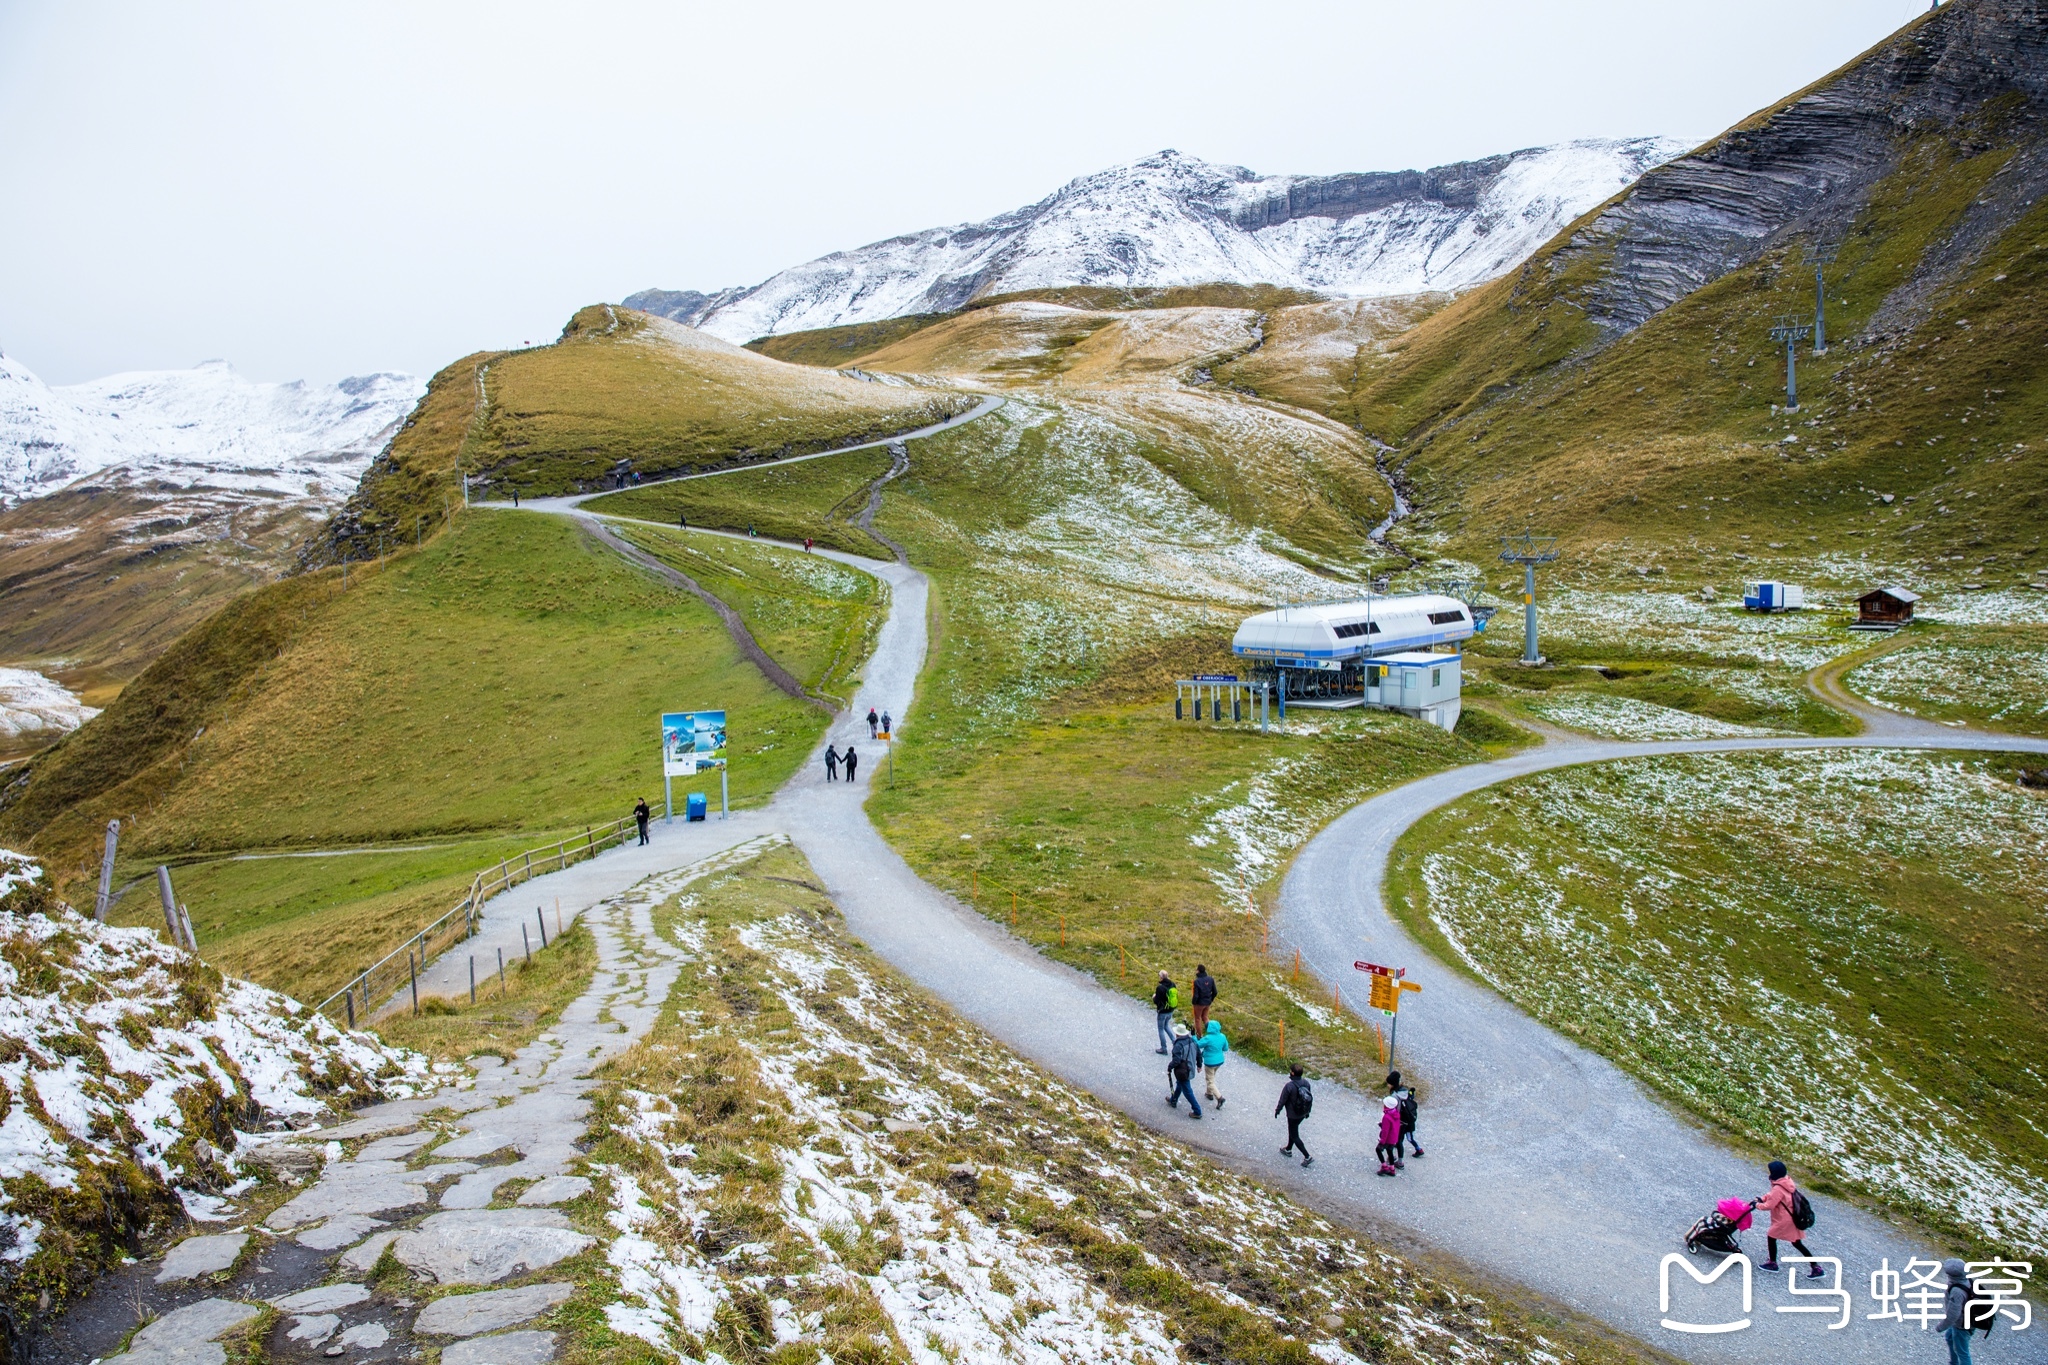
x: 1394, y: 1038
x: 721, y: 791
x: 668, y: 797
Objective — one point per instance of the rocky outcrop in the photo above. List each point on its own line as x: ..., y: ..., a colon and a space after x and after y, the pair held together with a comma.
x: 1975, y: 71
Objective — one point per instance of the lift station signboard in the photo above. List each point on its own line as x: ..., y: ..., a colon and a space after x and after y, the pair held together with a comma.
x: 691, y: 740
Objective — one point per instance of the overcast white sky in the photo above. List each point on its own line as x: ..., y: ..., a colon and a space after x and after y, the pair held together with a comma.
x: 313, y: 190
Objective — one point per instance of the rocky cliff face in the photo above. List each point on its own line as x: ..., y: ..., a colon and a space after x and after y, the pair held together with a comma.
x: 1174, y: 220
x: 1975, y: 69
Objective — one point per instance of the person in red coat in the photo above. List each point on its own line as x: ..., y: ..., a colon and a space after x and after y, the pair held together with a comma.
x: 1778, y: 1202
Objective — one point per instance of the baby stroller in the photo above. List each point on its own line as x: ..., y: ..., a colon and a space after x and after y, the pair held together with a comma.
x: 1715, y: 1233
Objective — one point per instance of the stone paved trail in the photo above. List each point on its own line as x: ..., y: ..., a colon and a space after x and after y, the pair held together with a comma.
x: 420, y: 1185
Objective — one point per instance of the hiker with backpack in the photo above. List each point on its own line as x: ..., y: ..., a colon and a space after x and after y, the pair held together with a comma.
x: 1165, y: 1000
x: 1389, y: 1147
x: 1957, y: 1314
x: 831, y: 764
x: 1411, y: 1109
x: 1203, y: 995
x: 1215, y: 1047
x: 1180, y: 1071
x: 1297, y: 1099
x: 1791, y: 1216
x: 874, y: 724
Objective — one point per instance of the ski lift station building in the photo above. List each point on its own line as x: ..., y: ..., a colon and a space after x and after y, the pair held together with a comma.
x: 1385, y: 652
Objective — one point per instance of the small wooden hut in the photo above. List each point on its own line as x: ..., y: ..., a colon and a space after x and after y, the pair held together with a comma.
x: 1885, y: 608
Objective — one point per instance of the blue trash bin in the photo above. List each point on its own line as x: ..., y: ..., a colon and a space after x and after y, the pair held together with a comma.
x: 696, y: 806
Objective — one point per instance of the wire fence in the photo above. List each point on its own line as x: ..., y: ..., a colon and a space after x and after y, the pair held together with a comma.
x: 1076, y: 936
x: 400, y: 968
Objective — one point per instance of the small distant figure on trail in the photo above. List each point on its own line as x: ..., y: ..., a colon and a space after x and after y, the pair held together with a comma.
x: 640, y: 814
x: 886, y: 726
x: 1411, y: 1110
x: 1715, y: 1233
x: 682, y: 521
x: 1165, y: 1000
x: 1203, y: 996
x: 1791, y: 1216
x: 1215, y: 1047
x: 831, y: 764
x: 515, y: 497
x: 751, y: 531
x: 1389, y: 1147
x: 874, y: 724
x: 1180, y: 1070
x: 1296, y: 1099
x: 807, y: 544
x: 852, y: 760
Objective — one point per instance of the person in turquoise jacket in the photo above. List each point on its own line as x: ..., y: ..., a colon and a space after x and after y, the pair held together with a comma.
x: 1215, y: 1047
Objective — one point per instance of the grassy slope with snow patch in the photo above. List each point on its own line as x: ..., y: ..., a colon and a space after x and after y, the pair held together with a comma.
x: 119, y: 1056
x: 758, y: 1205
x: 1833, y: 955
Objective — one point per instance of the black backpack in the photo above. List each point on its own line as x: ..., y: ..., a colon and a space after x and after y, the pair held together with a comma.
x: 1304, y: 1099
x: 1182, y: 1063
x: 1409, y: 1109
x: 1802, y: 1211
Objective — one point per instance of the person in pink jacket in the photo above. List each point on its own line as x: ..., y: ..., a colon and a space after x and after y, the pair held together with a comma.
x: 1779, y: 1202
x: 1390, y: 1136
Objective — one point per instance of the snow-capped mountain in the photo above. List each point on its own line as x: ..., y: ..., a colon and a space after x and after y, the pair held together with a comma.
x: 1172, y: 219
x: 204, y: 427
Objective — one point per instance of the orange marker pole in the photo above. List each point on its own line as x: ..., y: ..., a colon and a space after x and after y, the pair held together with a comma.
x: 1283, y: 1040
x: 1063, y: 931
x: 1013, y: 909
x: 1297, y: 964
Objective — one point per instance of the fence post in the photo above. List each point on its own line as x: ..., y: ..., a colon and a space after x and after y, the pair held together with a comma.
x: 348, y: 999
x: 472, y: 978
x: 543, y: 921
x: 1063, y: 931
x: 501, y: 972
x: 1013, y: 909
x: 414, y: 977
x: 1283, y: 1040
x: 525, y: 942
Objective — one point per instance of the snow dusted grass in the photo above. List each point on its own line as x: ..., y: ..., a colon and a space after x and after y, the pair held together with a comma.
x: 1158, y: 842
x: 35, y: 710
x: 1997, y: 679
x: 809, y: 1160
x: 126, y: 1069
x: 1833, y: 955
x: 1613, y: 717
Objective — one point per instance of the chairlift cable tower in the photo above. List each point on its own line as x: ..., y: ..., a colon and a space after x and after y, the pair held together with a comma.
x: 1791, y: 331
x: 1528, y: 551
x: 1820, y: 257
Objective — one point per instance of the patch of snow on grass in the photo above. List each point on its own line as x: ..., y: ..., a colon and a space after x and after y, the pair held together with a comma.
x: 1629, y: 718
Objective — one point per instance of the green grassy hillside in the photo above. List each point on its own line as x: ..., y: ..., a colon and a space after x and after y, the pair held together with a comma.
x: 626, y: 389
x: 1915, y: 448
x: 497, y: 685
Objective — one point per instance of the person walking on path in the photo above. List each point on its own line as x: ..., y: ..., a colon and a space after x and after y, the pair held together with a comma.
x: 886, y: 727
x: 1955, y: 1311
x: 1411, y: 1110
x: 682, y: 521
x: 515, y: 497
x: 1165, y: 999
x: 1180, y: 1071
x: 1203, y: 996
x: 1390, y: 1136
x: 852, y: 761
x: 1215, y: 1047
x: 831, y: 764
x: 1296, y: 1099
x: 640, y: 814
x: 807, y: 544
x: 1785, y: 1204
x: 874, y: 724
x: 751, y: 532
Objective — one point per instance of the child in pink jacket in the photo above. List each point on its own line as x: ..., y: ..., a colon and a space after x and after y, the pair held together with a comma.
x: 1390, y: 1136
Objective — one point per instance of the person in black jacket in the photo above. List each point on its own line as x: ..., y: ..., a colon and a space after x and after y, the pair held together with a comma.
x: 1165, y: 996
x: 640, y: 814
x: 1204, y: 996
x: 874, y: 724
x: 1295, y: 1099
x: 852, y: 762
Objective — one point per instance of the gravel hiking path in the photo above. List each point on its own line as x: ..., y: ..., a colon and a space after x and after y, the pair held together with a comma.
x: 1548, y: 1167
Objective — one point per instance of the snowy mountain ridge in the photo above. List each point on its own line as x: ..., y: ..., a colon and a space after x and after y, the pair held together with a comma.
x: 206, y: 426
x: 1172, y: 219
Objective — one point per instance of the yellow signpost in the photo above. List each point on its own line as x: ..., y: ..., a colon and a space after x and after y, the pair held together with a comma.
x: 1389, y: 984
